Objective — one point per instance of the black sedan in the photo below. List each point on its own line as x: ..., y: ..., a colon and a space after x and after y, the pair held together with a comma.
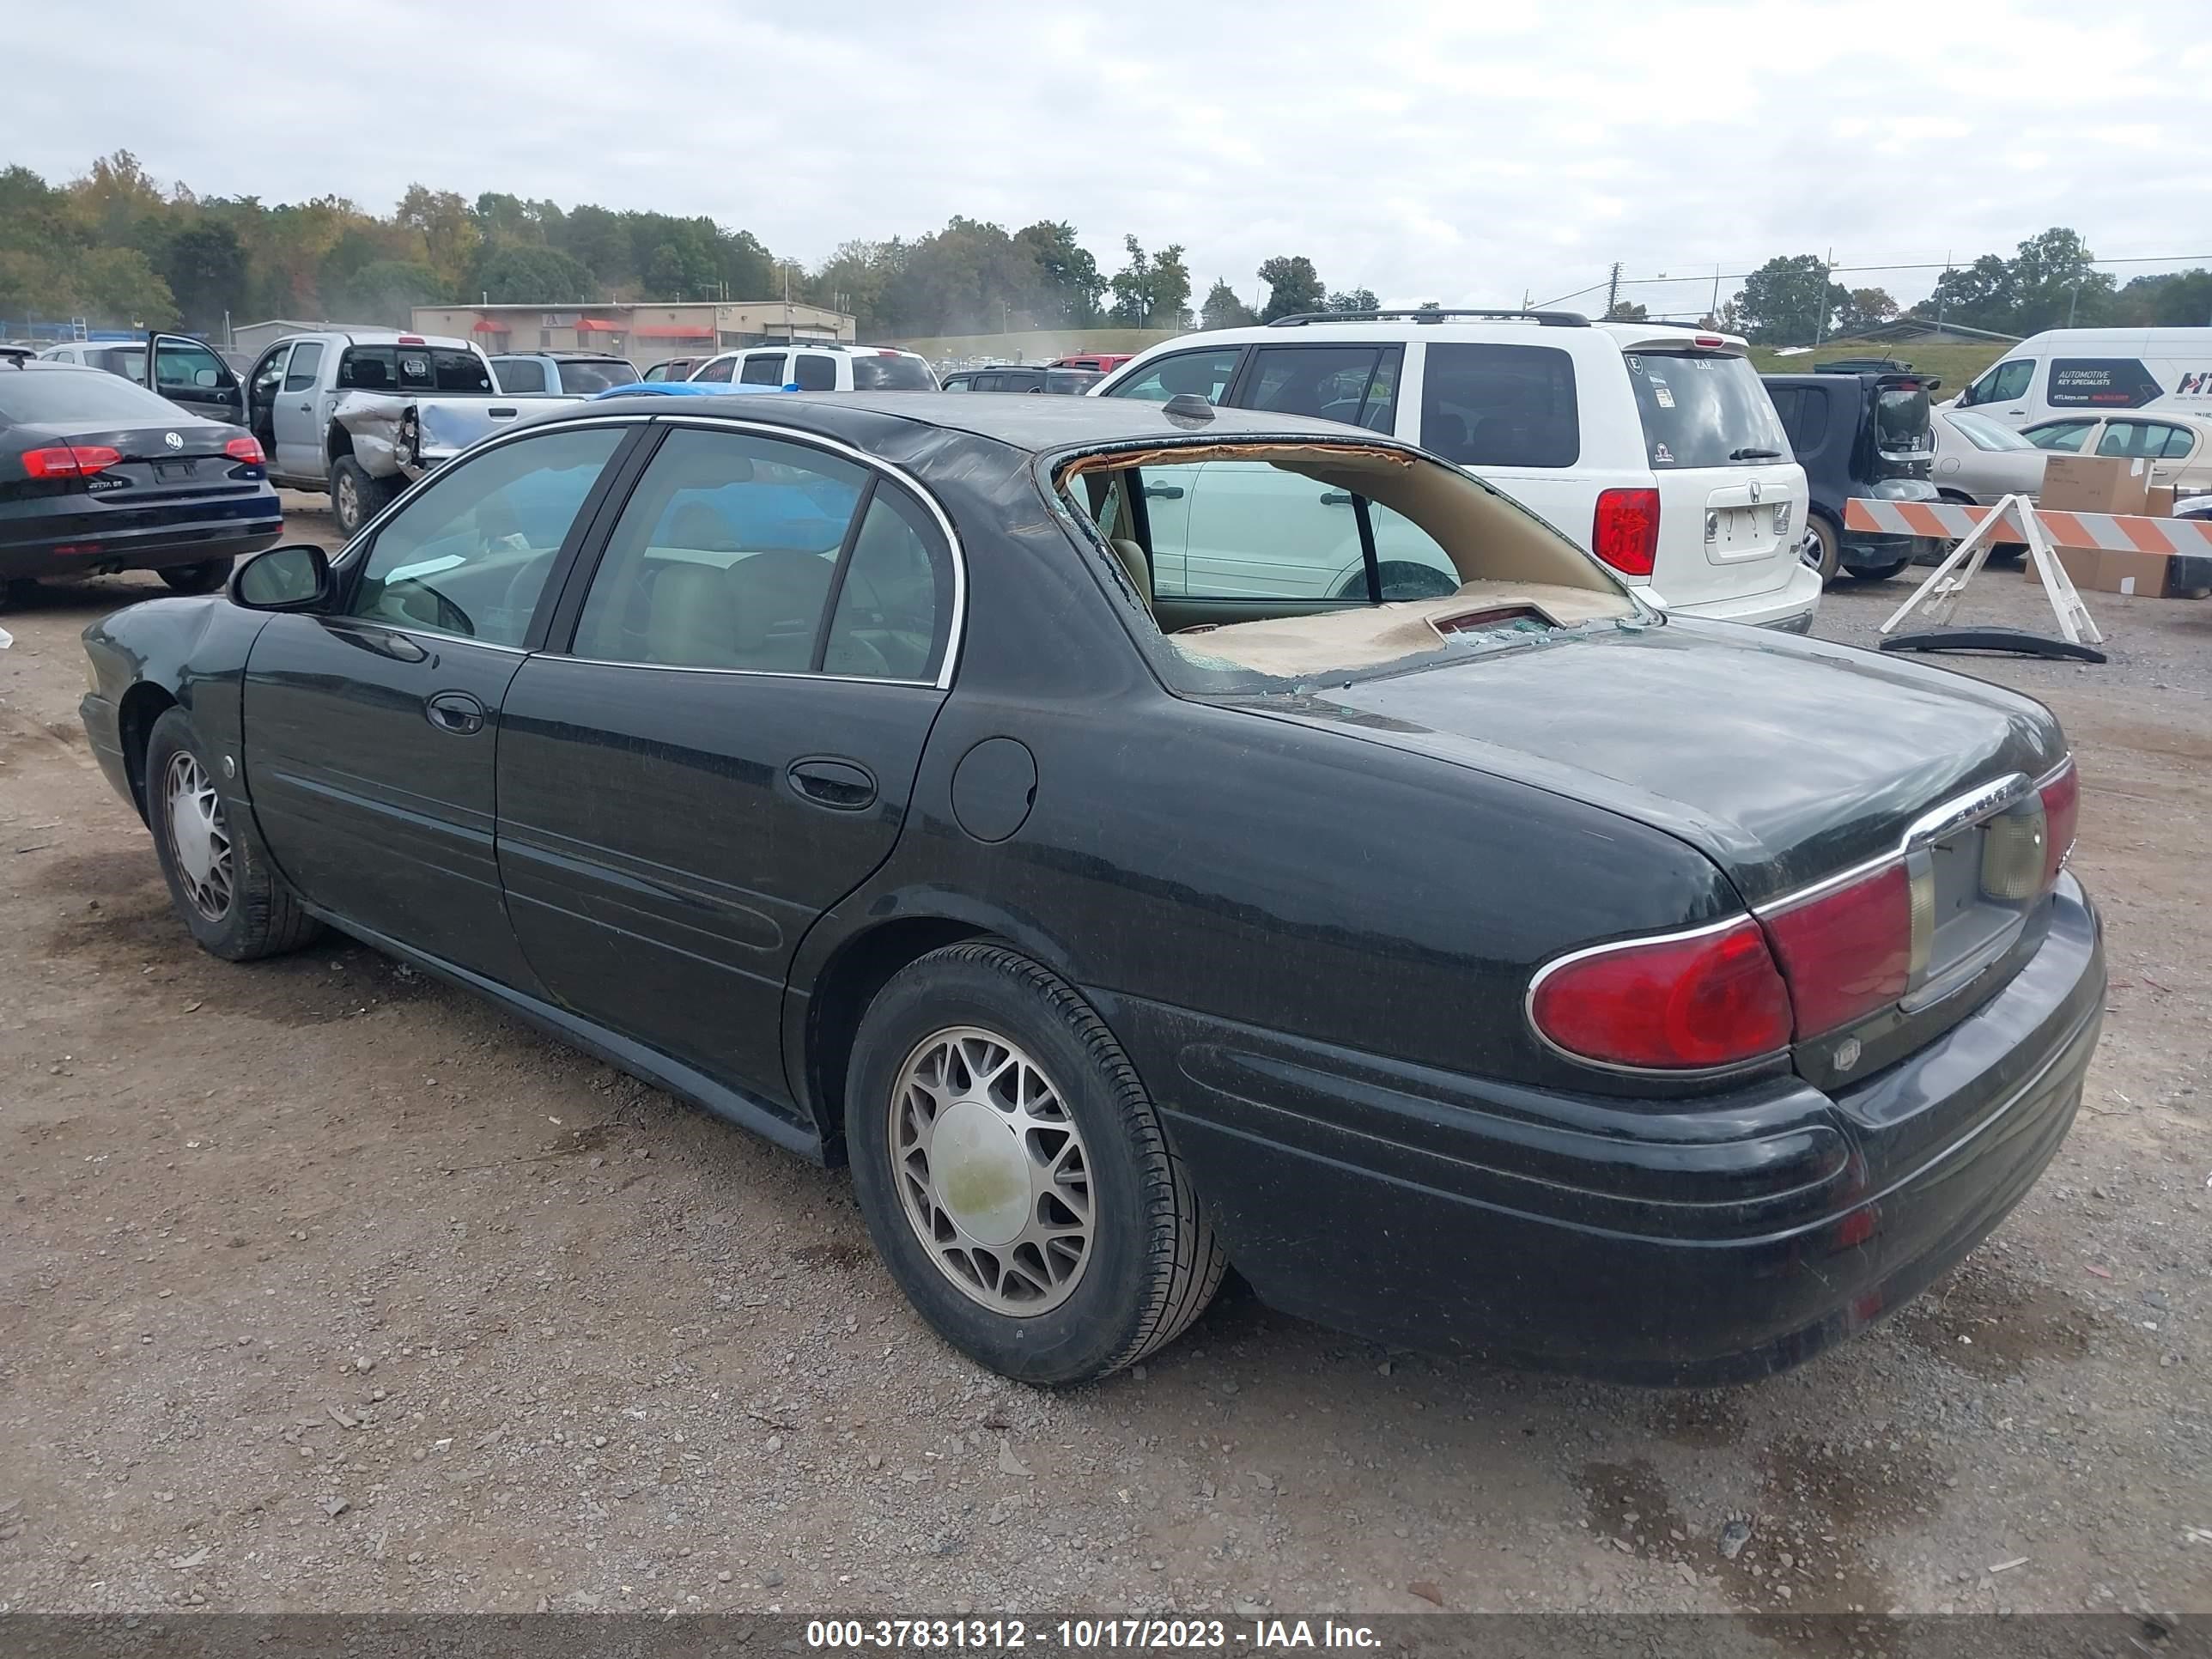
x: 99, y: 474
x: 1510, y: 969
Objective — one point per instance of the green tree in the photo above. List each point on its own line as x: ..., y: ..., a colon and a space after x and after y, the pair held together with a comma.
x: 1789, y: 301
x: 522, y: 274
x: 1223, y: 309
x: 387, y: 291
x: 1864, y: 308
x: 1293, y: 287
x: 1978, y: 296
x: 1626, y: 311
x: 206, y: 273
x: 1170, y: 297
x: 2056, y: 285
x: 2180, y: 299
x: 1357, y: 299
x: 1069, y: 287
x: 449, y: 231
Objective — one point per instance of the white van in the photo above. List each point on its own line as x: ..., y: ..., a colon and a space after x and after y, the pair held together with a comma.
x: 2088, y: 371
x: 822, y: 365
x: 1654, y: 448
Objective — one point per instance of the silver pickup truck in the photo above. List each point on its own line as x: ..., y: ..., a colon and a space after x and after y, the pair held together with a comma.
x: 362, y: 412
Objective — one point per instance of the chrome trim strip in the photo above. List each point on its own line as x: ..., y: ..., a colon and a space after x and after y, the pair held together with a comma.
x: 752, y: 673
x: 1686, y: 1074
x: 1960, y: 812
x: 383, y: 627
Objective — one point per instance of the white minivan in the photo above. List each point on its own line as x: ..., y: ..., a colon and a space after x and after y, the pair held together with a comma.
x: 821, y: 366
x: 1655, y: 448
x: 2094, y: 371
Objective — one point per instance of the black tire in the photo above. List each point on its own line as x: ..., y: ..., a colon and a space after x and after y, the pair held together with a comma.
x: 1831, y: 549
x: 355, y: 498
x: 1874, y: 573
x: 261, y: 917
x: 1152, y: 1261
x: 205, y: 577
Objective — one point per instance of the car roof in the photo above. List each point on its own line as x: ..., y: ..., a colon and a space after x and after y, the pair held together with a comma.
x: 569, y: 356
x: 819, y: 345
x: 51, y: 365
x: 1406, y: 326
x: 378, y: 337
x: 1038, y: 425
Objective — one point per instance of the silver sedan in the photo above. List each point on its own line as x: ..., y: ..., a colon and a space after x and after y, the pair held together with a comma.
x: 1977, y: 460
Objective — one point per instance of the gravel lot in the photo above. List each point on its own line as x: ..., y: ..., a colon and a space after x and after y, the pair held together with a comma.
x: 324, y: 1287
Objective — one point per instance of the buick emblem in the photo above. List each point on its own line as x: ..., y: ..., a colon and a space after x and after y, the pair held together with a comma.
x: 173, y: 441
x: 1754, y: 492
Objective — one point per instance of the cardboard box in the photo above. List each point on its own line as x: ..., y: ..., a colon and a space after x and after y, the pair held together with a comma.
x: 2095, y: 484
x: 2159, y: 504
x: 2104, y: 570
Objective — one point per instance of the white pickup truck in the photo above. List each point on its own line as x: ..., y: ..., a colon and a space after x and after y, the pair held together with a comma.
x: 362, y: 412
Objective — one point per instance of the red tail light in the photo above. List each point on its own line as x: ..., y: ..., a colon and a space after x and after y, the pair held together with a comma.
x: 1625, y: 533
x: 246, y: 452
x: 1711, y: 998
x: 1846, y: 950
x: 70, y: 461
x: 2062, y: 805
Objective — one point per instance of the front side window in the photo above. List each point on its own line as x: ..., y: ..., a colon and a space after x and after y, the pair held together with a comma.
x: 1501, y: 405
x: 307, y: 358
x: 470, y: 552
x: 763, y: 368
x: 184, y: 367
x: 1205, y: 372
x: 815, y: 373
x: 2064, y: 436
x: 1356, y: 385
x: 725, y: 555
x: 269, y: 373
x: 719, y: 370
x: 2002, y: 384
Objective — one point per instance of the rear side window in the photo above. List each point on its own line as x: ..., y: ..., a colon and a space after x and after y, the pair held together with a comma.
x: 1502, y: 406
x: 815, y: 373
x: 895, y: 601
x: 586, y: 376
x: 1205, y: 372
x: 1356, y: 385
x: 412, y: 368
x: 897, y: 372
x: 521, y: 374
x: 1804, y: 412
x: 1704, y: 412
x: 719, y: 370
x: 763, y: 368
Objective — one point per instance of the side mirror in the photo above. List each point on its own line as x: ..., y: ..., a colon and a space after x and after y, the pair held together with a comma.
x: 292, y: 578
x: 207, y: 378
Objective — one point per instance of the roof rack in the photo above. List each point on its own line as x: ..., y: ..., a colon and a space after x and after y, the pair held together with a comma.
x: 1433, y: 314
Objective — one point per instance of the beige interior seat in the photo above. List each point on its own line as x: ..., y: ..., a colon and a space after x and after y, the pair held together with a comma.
x: 1133, y: 560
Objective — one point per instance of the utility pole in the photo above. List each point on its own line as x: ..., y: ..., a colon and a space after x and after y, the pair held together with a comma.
x: 2073, y: 298
x: 1612, y: 289
x: 1820, y: 310
x: 1941, y: 296
x: 1714, y: 313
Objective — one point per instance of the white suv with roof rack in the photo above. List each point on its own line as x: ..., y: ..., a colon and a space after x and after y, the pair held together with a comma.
x: 821, y: 366
x: 1655, y: 448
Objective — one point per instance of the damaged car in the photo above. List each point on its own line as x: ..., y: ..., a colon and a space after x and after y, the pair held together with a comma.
x: 1515, y: 970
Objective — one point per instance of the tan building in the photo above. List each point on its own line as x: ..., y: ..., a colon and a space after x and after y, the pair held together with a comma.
x: 646, y: 334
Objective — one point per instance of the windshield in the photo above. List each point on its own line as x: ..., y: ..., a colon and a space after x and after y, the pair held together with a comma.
x: 591, y: 374
x: 36, y: 395
x: 897, y: 372
x: 1984, y: 433
x: 1704, y: 411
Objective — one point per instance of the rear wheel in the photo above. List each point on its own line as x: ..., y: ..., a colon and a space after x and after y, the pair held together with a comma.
x: 205, y: 577
x: 1825, y: 555
x: 219, y: 874
x: 355, y: 498
x: 1874, y: 573
x: 1014, y: 1174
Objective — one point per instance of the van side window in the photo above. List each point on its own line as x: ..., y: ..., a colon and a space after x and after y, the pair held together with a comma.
x: 1500, y: 405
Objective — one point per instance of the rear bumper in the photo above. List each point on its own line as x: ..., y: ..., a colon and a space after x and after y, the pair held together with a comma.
x: 1790, y: 607
x: 1858, y: 549
x: 1639, y: 1244
x: 82, y: 551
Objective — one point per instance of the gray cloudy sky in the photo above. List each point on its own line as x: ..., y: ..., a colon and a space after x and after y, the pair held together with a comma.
x: 1440, y: 151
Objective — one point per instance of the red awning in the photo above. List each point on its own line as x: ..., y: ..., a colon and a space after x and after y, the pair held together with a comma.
x: 489, y: 326
x: 594, y: 326
x: 672, y: 331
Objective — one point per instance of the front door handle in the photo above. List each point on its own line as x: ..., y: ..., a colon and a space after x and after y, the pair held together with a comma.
x: 1336, y: 498
x: 1164, y: 492
x: 842, y: 785
x: 456, y: 712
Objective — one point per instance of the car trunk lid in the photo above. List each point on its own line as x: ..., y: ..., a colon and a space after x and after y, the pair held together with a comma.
x: 154, y: 465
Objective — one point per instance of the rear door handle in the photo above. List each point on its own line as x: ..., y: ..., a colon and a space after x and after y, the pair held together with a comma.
x: 842, y: 785
x: 1336, y: 498
x: 1164, y: 492
x: 456, y: 712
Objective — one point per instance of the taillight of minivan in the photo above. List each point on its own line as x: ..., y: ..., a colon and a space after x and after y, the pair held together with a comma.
x: 1625, y: 532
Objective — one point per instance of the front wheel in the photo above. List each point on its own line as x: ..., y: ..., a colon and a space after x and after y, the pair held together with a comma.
x: 219, y: 874
x: 205, y: 577
x: 1014, y: 1174
x: 355, y: 498
x: 1874, y: 573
